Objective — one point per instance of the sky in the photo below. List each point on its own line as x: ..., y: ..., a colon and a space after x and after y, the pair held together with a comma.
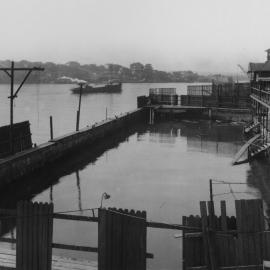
x: 199, y: 35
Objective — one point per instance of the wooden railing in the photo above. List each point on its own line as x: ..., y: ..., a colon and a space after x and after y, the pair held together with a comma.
x: 261, y: 95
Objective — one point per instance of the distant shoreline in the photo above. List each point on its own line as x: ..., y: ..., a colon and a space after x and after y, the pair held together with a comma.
x: 2, y: 83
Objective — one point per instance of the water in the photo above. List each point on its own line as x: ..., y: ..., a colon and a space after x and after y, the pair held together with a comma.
x: 163, y: 169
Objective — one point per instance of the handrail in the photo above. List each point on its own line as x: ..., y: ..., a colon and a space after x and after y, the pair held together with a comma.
x: 260, y: 90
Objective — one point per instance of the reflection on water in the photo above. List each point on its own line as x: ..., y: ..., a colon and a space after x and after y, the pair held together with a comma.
x: 202, y: 136
x: 258, y: 176
x: 162, y: 168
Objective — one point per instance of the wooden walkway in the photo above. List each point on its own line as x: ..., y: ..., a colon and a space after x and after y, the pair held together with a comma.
x: 8, y: 261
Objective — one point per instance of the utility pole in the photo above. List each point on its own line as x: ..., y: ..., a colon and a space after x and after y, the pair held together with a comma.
x: 10, y: 72
x: 79, y: 108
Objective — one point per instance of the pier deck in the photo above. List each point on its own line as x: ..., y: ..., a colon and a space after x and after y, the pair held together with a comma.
x: 218, y: 113
x: 8, y: 261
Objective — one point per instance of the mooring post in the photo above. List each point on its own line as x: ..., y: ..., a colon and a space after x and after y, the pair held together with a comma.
x: 77, y: 120
x: 106, y: 113
x: 211, y: 189
x: 51, y: 127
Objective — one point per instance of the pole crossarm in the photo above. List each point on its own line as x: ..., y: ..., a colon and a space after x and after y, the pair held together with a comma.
x: 23, y: 69
x: 10, y: 72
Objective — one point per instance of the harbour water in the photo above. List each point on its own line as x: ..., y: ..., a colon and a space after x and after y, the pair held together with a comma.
x: 162, y: 168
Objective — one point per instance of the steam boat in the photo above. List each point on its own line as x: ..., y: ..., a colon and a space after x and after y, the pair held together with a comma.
x: 110, y: 87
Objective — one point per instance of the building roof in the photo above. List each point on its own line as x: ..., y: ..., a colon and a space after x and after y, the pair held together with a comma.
x: 253, y: 67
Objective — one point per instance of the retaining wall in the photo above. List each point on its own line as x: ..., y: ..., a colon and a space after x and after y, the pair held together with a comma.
x: 28, y: 161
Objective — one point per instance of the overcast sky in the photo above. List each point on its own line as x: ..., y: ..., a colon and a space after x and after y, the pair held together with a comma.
x: 202, y: 35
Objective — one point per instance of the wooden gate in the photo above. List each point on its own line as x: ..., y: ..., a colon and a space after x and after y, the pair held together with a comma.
x: 121, y: 240
x: 227, y: 242
x: 34, y: 236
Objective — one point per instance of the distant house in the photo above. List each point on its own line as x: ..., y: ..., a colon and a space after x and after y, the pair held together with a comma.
x: 137, y: 69
x: 260, y: 73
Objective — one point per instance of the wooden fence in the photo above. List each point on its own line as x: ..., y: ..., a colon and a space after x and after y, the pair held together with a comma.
x: 21, y: 138
x: 227, y: 242
x: 34, y: 236
x: 121, y: 239
x: 209, y: 242
x: 121, y: 236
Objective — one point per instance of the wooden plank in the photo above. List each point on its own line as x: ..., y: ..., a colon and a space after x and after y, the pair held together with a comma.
x: 196, y: 243
x: 251, y: 232
x: 50, y: 235
x: 75, y: 217
x: 114, y: 241
x: 221, y: 240
x: 200, y: 242
x: 29, y: 229
x: 240, y: 245
x: 259, y: 227
x: 224, y: 225
x: 19, y: 236
x: 40, y: 237
x: 129, y: 241
x: 203, y: 210
x: 189, y: 247
x: 102, y: 239
x: 144, y: 240
x: 125, y: 221
x: 244, y: 148
x: 74, y: 247
x: 161, y: 225
x: 35, y: 236
x: 108, y: 240
x: 212, y: 236
x: 45, y: 233
x: 25, y: 236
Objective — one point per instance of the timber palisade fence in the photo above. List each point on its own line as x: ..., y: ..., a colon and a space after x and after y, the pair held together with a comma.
x: 225, y: 95
x: 240, y: 242
x: 209, y: 242
x: 121, y: 236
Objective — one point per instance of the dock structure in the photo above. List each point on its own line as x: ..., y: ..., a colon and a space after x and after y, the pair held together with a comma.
x: 227, y: 101
x: 260, y: 101
x: 14, y: 167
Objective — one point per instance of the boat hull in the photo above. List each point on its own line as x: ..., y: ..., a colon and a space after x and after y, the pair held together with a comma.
x: 107, y: 88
